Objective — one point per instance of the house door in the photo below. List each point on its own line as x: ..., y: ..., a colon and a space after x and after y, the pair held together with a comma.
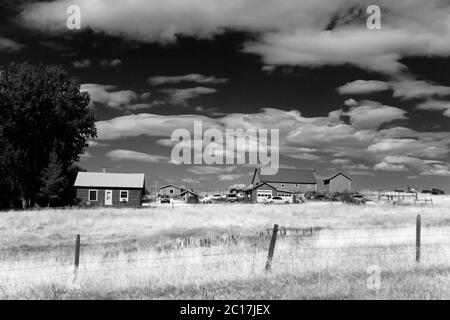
x: 108, y: 197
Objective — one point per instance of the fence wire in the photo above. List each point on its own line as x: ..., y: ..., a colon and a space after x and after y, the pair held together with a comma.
x: 291, y: 253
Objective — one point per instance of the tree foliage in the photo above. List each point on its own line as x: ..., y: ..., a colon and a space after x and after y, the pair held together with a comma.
x: 41, y: 111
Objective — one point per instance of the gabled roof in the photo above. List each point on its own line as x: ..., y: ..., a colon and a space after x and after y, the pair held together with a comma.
x: 109, y: 180
x: 188, y: 191
x: 267, y: 184
x: 290, y: 176
x: 171, y: 185
x: 335, y: 175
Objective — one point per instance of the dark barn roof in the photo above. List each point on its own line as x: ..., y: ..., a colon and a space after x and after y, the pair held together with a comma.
x: 171, y: 185
x: 335, y: 175
x: 290, y: 176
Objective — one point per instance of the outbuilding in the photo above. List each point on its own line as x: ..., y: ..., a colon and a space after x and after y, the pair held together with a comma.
x: 171, y: 190
x: 110, y: 189
x: 339, y: 182
x: 189, y: 195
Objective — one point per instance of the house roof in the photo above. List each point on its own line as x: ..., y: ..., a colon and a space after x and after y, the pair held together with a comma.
x: 269, y: 185
x: 290, y: 176
x: 188, y: 191
x: 335, y: 175
x: 111, y: 180
x: 171, y: 185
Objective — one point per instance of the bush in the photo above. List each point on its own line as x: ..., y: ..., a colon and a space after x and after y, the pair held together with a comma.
x: 346, y: 197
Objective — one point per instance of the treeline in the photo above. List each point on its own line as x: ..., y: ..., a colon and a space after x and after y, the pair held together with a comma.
x: 45, y: 123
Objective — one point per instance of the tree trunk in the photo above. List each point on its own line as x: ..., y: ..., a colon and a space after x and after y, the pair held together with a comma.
x: 23, y: 199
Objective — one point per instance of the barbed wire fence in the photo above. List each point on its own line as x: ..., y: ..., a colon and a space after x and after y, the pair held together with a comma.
x: 301, y: 252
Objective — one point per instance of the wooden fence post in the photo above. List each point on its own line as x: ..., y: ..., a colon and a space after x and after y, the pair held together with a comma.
x: 77, y: 254
x: 418, y: 231
x: 273, y: 240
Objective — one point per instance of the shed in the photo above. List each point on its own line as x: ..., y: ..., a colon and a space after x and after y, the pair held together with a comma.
x: 171, y: 190
x: 187, y: 194
x: 110, y: 189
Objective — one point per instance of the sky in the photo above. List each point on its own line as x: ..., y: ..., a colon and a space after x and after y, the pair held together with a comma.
x: 373, y: 103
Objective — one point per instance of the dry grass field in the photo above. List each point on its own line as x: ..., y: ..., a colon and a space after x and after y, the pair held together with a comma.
x: 219, y: 251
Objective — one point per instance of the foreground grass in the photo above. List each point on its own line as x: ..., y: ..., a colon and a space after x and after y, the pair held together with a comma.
x: 143, y: 254
x: 418, y: 283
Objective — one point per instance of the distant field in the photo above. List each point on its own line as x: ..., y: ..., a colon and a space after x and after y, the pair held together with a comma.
x: 219, y: 251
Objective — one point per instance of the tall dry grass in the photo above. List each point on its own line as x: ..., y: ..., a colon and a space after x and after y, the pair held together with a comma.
x: 130, y: 253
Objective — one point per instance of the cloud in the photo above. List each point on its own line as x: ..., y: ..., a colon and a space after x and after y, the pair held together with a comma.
x: 442, y: 170
x: 350, y: 102
x: 429, y: 148
x: 211, y: 169
x: 180, y: 96
x: 190, y: 180
x: 363, y: 87
x: 119, y: 155
x: 305, y: 32
x: 340, y: 161
x: 93, y: 143
x: 410, y: 89
x: 357, y: 166
x: 81, y: 64
x: 360, y: 140
x: 105, y: 94
x: 148, y: 124
x: 194, y: 78
x: 403, y: 87
x: 85, y: 156
x: 230, y: 177
x: 238, y: 186
x: 9, y: 45
x: 436, y: 105
x: 385, y: 166
x: 111, y: 63
x: 361, y: 173
x: 140, y: 106
x: 370, y: 115
x: 425, y: 166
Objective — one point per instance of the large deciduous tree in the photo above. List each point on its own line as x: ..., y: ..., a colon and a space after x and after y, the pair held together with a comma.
x: 41, y: 111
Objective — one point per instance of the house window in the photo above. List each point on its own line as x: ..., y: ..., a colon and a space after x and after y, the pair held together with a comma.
x: 309, y: 186
x: 171, y: 191
x: 93, y: 195
x: 296, y: 185
x: 283, y: 185
x: 123, y: 196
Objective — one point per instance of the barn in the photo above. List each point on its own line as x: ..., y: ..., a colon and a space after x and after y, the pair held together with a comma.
x: 171, y: 190
x: 286, y: 182
x: 339, y: 182
x: 110, y: 189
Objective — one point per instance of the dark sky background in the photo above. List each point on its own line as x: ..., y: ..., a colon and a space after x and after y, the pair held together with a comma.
x: 312, y: 90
